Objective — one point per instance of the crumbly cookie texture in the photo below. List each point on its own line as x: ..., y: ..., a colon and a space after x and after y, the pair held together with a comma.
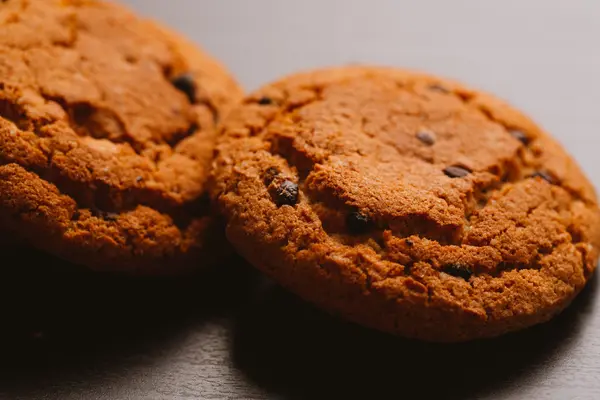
x: 406, y: 202
x: 107, y: 131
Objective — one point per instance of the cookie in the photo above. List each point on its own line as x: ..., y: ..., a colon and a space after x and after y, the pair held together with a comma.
x: 406, y: 202
x: 107, y: 130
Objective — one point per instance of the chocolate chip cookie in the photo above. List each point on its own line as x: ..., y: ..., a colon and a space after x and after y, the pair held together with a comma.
x: 107, y: 131
x: 406, y: 202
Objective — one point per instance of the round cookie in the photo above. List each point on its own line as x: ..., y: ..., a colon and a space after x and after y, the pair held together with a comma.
x: 107, y: 131
x: 406, y: 203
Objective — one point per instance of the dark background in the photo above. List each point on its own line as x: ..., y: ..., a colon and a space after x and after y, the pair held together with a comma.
x: 229, y: 334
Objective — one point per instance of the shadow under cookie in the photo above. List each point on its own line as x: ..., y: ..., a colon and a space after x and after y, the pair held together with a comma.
x: 63, y: 323
x: 296, y: 351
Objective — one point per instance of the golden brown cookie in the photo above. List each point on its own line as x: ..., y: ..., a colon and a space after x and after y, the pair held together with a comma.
x: 406, y: 202
x: 107, y: 130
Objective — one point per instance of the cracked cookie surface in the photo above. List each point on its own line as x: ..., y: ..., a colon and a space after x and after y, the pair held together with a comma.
x: 107, y: 131
x: 406, y: 202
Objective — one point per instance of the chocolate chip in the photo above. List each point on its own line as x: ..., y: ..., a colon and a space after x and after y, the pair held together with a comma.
x: 130, y: 59
x: 82, y: 114
x: 545, y: 176
x: 270, y: 175
x: 211, y: 107
x: 357, y: 222
x: 186, y: 84
x: 105, y: 215
x: 179, y: 136
x: 438, y: 88
x: 110, y: 216
x: 454, y: 171
x: 457, y: 270
x: 426, y: 137
x: 265, y: 101
x: 520, y: 136
x: 287, y: 194
x: 409, y: 243
x: 192, y: 129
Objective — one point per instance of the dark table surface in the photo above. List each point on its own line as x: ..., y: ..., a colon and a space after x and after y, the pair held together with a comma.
x: 229, y: 334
